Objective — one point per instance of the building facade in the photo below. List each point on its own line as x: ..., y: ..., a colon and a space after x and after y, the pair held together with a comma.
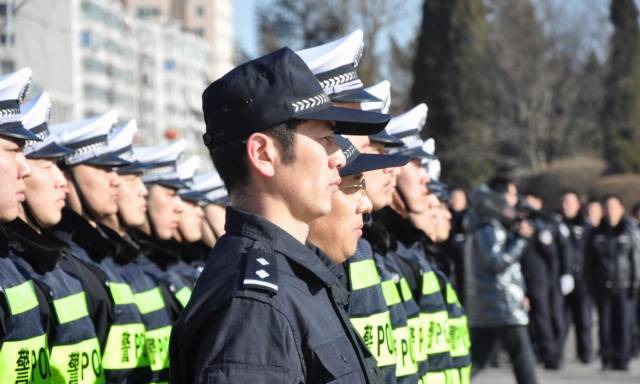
x: 95, y: 55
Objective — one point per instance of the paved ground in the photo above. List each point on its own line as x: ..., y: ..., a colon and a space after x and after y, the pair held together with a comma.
x: 572, y: 372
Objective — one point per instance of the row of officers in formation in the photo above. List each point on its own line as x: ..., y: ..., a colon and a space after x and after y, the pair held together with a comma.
x: 317, y: 253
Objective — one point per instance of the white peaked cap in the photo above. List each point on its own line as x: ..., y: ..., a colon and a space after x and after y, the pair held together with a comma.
x: 207, y: 181
x: 434, y: 169
x: 408, y: 123
x: 326, y: 57
x: 13, y: 87
x: 187, y: 168
x: 163, y: 153
x: 121, y: 137
x: 382, y: 91
x: 35, y: 112
x: 429, y: 146
x: 72, y: 132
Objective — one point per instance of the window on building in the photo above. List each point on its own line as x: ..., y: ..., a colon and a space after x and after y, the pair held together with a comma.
x: 7, y: 39
x: 200, y: 11
x: 7, y: 66
x: 170, y: 65
x: 199, y: 31
x: 85, y: 38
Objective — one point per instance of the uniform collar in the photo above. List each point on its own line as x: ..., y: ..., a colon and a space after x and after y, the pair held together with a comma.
x: 399, y: 227
x: 159, y: 252
x: 4, y: 243
x: 247, y: 224
x: 80, y: 231
x: 41, y: 250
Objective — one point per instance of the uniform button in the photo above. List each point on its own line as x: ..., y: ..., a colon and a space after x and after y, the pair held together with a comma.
x: 608, y: 284
x: 344, y: 359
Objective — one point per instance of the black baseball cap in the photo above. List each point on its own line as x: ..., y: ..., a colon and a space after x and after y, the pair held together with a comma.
x: 363, y: 162
x: 271, y: 90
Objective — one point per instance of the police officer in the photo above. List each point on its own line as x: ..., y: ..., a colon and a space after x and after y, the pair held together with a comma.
x: 337, y: 235
x: 541, y: 266
x: 151, y: 298
x: 24, y: 352
x: 495, y: 286
x: 455, y: 244
x: 75, y: 352
x: 578, y: 301
x: 269, y: 131
x: 613, y: 267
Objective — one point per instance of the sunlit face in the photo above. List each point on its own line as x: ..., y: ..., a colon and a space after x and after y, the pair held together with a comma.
x: 511, y: 196
x: 534, y: 201
x: 458, y: 202
x: 191, y: 220
x: 132, y: 200
x: 165, y: 207
x: 13, y: 171
x: 594, y: 213
x: 380, y: 182
x: 570, y: 205
x: 613, y: 210
x: 338, y: 232
x: 45, y: 192
x: 308, y: 183
x: 216, y: 217
x: 99, y: 187
x: 412, y: 184
x: 443, y: 223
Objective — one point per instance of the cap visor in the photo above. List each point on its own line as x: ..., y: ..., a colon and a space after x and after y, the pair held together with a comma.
x: 192, y: 196
x: 134, y: 168
x: 16, y: 130
x: 171, y: 183
x: 51, y: 151
x: 108, y: 160
x: 349, y: 121
x: 359, y: 95
x: 368, y: 162
x: 386, y: 139
x: 416, y: 153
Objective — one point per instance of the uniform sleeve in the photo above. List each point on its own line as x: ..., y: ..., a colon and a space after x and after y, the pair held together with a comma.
x: 635, y: 258
x: 246, y: 341
x: 564, y: 248
x: 495, y: 253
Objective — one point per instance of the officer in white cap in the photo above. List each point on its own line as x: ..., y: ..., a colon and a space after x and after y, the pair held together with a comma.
x: 334, y: 65
x: 216, y: 199
x: 47, y: 259
x: 23, y: 339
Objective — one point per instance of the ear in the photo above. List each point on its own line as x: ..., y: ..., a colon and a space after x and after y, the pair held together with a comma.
x: 262, y: 154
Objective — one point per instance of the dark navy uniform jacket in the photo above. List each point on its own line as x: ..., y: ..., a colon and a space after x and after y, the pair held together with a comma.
x: 266, y: 309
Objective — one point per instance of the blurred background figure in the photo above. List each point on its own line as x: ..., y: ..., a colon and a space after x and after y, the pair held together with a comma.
x: 455, y: 244
x: 613, y: 268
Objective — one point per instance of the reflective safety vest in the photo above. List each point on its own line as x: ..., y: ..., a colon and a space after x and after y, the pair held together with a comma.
x: 75, y: 355
x: 459, y: 340
x: 368, y: 310
x: 406, y: 365
x: 24, y: 353
x: 125, y: 356
x: 150, y: 301
x: 417, y: 329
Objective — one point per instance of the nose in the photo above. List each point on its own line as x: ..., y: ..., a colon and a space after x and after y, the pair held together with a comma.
x: 336, y: 157
x: 144, y: 192
x: 24, y: 170
x: 114, y: 179
x: 364, y: 205
x: 178, y: 208
x: 60, y: 180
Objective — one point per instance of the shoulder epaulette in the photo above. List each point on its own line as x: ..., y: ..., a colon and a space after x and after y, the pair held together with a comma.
x: 261, y: 269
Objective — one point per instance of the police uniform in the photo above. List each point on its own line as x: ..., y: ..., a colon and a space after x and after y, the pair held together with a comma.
x: 266, y: 308
x: 24, y: 351
x: 97, y: 260
x: 579, y: 301
x: 613, y: 267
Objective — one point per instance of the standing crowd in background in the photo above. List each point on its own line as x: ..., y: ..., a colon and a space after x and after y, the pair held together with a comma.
x: 323, y: 249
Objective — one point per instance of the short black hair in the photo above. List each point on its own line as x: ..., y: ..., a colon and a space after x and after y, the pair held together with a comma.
x: 612, y: 196
x: 500, y: 184
x: 636, y: 209
x: 569, y: 191
x: 230, y: 159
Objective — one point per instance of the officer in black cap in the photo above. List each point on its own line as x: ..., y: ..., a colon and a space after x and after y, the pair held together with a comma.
x: 265, y: 308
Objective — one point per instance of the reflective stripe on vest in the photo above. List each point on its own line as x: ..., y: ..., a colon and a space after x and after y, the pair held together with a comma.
x: 377, y: 334
x: 183, y: 295
x: 156, y: 339
x: 25, y: 361
x: 459, y: 340
x: 363, y: 274
x: 417, y: 328
x: 77, y: 363
x: 22, y: 359
x: 390, y: 291
x: 71, y: 308
x: 406, y: 360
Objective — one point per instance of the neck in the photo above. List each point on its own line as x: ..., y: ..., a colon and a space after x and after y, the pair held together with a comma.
x: 22, y: 214
x: 113, y: 222
x: 278, y: 213
x: 399, y: 206
x: 327, y: 246
x: 146, y: 228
